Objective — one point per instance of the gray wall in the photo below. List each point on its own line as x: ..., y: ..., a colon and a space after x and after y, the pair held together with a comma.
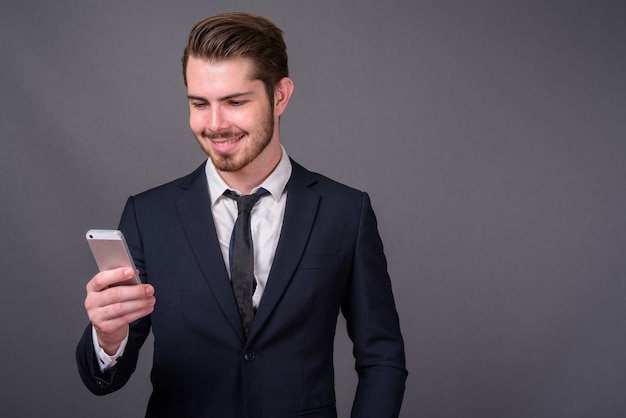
x: 490, y: 135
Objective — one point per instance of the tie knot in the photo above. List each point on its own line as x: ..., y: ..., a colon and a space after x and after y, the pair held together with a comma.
x: 245, y: 203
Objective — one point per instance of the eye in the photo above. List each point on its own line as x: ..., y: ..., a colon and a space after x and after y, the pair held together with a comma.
x: 237, y: 103
x: 198, y: 105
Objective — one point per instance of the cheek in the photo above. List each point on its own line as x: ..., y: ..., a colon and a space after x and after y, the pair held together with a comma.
x: 195, y: 123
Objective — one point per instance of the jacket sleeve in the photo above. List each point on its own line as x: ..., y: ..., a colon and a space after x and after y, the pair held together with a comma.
x: 373, y: 326
x: 102, y: 383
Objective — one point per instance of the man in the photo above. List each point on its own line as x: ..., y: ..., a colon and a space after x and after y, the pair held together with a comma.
x: 218, y: 351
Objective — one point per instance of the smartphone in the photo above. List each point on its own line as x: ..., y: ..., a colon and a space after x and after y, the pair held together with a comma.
x: 110, y: 251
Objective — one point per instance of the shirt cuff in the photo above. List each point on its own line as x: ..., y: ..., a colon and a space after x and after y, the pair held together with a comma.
x: 105, y: 361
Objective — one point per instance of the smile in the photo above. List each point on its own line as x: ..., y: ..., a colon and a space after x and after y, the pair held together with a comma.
x: 225, y: 144
x: 230, y: 141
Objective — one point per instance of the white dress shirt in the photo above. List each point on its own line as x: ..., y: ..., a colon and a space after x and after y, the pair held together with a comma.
x: 266, y: 224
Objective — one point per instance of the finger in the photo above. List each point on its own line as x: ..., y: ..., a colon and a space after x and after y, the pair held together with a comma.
x: 110, y: 317
x: 107, y: 278
x: 118, y: 295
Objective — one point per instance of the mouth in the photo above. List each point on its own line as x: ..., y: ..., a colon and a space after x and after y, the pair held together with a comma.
x: 226, y: 144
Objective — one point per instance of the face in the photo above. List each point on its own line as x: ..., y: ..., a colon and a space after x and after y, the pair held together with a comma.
x: 230, y: 113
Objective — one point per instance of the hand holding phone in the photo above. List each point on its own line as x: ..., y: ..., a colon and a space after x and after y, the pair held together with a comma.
x: 110, y: 251
x: 111, y: 310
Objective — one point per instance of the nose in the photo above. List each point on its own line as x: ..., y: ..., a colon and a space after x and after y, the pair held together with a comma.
x: 216, y: 120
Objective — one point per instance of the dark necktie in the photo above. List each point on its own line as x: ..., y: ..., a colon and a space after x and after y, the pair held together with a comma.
x: 241, y: 256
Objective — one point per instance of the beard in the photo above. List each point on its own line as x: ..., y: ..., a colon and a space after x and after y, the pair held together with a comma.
x: 257, y: 142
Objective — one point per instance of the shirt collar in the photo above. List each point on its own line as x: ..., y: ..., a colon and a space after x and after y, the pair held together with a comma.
x: 275, y: 183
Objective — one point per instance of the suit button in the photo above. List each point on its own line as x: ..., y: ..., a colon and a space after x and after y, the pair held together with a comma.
x: 249, y: 355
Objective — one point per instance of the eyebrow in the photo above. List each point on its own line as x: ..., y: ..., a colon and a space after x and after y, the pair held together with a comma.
x: 221, y: 99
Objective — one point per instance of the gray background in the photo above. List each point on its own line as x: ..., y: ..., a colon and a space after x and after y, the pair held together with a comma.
x: 490, y: 135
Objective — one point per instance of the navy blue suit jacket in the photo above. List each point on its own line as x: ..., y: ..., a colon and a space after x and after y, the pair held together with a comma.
x: 329, y: 258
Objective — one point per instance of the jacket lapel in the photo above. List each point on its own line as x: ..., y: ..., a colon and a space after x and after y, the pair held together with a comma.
x: 300, y: 211
x: 194, y: 207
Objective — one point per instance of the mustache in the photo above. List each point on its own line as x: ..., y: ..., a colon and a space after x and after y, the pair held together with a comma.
x: 224, y: 135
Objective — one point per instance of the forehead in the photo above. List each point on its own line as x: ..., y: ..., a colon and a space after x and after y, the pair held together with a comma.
x: 219, y: 75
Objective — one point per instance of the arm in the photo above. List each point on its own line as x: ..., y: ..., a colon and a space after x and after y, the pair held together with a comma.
x: 373, y: 326
x: 104, y: 382
x: 116, y: 313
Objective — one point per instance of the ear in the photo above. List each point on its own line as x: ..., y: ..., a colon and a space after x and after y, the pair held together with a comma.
x: 282, y: 94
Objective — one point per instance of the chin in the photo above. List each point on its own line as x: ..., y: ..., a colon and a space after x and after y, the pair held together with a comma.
x: 227, y: 164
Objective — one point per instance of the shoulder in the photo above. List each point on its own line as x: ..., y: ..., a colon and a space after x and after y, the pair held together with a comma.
x: 322, y: 184
x: 174, y: 187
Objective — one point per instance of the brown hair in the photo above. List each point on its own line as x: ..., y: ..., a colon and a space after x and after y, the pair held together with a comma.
x: 234, y: 35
